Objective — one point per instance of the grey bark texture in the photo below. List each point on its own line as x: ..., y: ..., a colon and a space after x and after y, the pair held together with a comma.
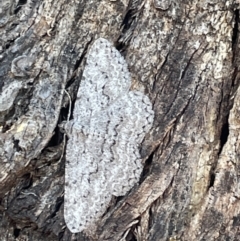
x: 184, y: 55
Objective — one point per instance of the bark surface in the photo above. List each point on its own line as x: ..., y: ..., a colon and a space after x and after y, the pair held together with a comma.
x: 184, y: 55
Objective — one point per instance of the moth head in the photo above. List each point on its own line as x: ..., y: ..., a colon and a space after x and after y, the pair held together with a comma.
x: 66, y: 127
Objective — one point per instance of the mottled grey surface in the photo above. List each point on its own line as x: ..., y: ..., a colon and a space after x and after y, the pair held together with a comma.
x: 109, y: 123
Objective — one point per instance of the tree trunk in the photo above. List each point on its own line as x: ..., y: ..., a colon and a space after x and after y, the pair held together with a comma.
x: 183, y: 55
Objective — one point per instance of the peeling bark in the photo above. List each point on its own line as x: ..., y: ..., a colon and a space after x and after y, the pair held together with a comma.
x: 183, y: 55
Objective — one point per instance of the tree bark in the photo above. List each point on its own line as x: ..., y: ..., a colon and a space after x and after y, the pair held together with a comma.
x: 184, y: 55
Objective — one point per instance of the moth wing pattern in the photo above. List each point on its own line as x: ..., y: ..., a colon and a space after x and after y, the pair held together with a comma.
x: 105, y: 78
x: 109, y: 124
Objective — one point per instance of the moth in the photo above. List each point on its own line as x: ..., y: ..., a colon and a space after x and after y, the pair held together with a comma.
x: 109, y: 123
